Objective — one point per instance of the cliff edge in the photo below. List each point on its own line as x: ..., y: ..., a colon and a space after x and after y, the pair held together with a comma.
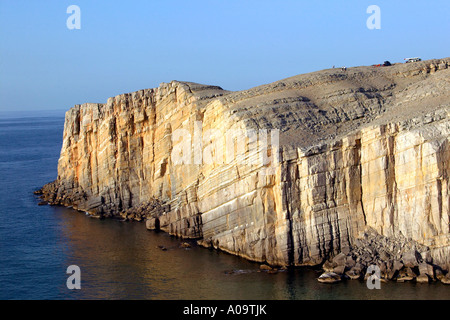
x: 290, y: 173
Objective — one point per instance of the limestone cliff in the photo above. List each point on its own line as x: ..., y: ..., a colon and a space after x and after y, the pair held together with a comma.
x: 323, y: 156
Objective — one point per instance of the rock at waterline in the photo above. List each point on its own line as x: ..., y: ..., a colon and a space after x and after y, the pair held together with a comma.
x: 265, y: 267
x: 446, y: 279
x: 423, y: 278
x: 339, y: 270
x: 353, y: 274
x: 329, y: 277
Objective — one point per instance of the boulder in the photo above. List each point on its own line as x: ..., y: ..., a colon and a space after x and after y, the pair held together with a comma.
x: 409, y: 259
x: 383, y: 269
x: 265, y: 267
x: 439, y: 274
x: 328, y: 266
x: 152, y: 223
x: 340, y: 259
x: 349, y: 262
x: 339, y: 270
x: 397, y: 265
x: 359, y: 267
x: 446, y: 279
x: 185, y: 245
x: 384, y: 256
x: 423, y: 278
x: 410, y: 272
x: 353, y: 274
x: 329, y: 277
x: 426, y: 269
x: 404, y: 278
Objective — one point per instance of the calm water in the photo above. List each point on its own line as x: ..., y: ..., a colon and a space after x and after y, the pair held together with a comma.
x: 120, y: 260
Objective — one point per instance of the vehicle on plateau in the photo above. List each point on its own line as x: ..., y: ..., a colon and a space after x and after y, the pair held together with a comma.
x: 385, y: 64
x: 408, y: 60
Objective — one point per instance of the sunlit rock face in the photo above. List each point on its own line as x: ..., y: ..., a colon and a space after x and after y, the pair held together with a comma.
x: 287, y: 173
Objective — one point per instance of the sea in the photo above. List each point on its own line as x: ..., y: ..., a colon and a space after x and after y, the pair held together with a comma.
x: 123, y: 260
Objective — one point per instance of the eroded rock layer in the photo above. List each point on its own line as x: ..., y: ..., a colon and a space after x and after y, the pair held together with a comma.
x: 288, y: 173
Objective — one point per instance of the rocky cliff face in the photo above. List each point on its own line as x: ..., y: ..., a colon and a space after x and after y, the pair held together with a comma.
x: 288, y: 173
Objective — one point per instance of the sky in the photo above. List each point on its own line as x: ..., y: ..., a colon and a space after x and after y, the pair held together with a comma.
x: 125, y: 46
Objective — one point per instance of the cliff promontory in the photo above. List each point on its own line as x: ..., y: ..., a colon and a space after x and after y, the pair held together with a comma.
x: 290, y: 173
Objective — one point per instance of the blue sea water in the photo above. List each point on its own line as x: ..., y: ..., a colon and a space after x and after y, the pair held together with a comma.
x: 121, y: 260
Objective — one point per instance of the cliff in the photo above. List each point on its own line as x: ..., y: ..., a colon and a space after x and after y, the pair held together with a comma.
x: 290, y: 173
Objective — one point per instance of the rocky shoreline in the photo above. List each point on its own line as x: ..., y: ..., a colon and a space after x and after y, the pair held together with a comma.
x: 397, y: 259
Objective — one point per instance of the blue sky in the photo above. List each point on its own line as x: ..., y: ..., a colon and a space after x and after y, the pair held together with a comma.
x: 124, y: 46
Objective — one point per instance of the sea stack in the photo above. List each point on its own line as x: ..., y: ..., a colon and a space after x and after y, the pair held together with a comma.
x: 331, y: 163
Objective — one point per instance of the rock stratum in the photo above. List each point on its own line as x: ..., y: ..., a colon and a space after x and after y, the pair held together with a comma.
x: 290, y: 173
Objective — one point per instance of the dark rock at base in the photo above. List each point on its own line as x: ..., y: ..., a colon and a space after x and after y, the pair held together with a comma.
x: 405, y: 278
x: 410, y: 272
x: 446, y: 279
x: 42, y: 203
x: 392, y: 269
x: 265, y: 267
x: 152, y: 224
x: 423, y: 278
x: 339, y: 260
x: 162, y: 248
x: 391, y: 275
x: 409, y: 259
x: 328, y: 266
x: 353, y: 274
x: 359, y: 266
x: 205, y: 243
x: 236, y: 271
x: 185, y: 245
x: 397, y: 265
x: 349, y: 262
x: 426, y: 269
x: 439, y: 274
x: 384, y: 255
x: 95, y: 216
x: 339, y: 270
